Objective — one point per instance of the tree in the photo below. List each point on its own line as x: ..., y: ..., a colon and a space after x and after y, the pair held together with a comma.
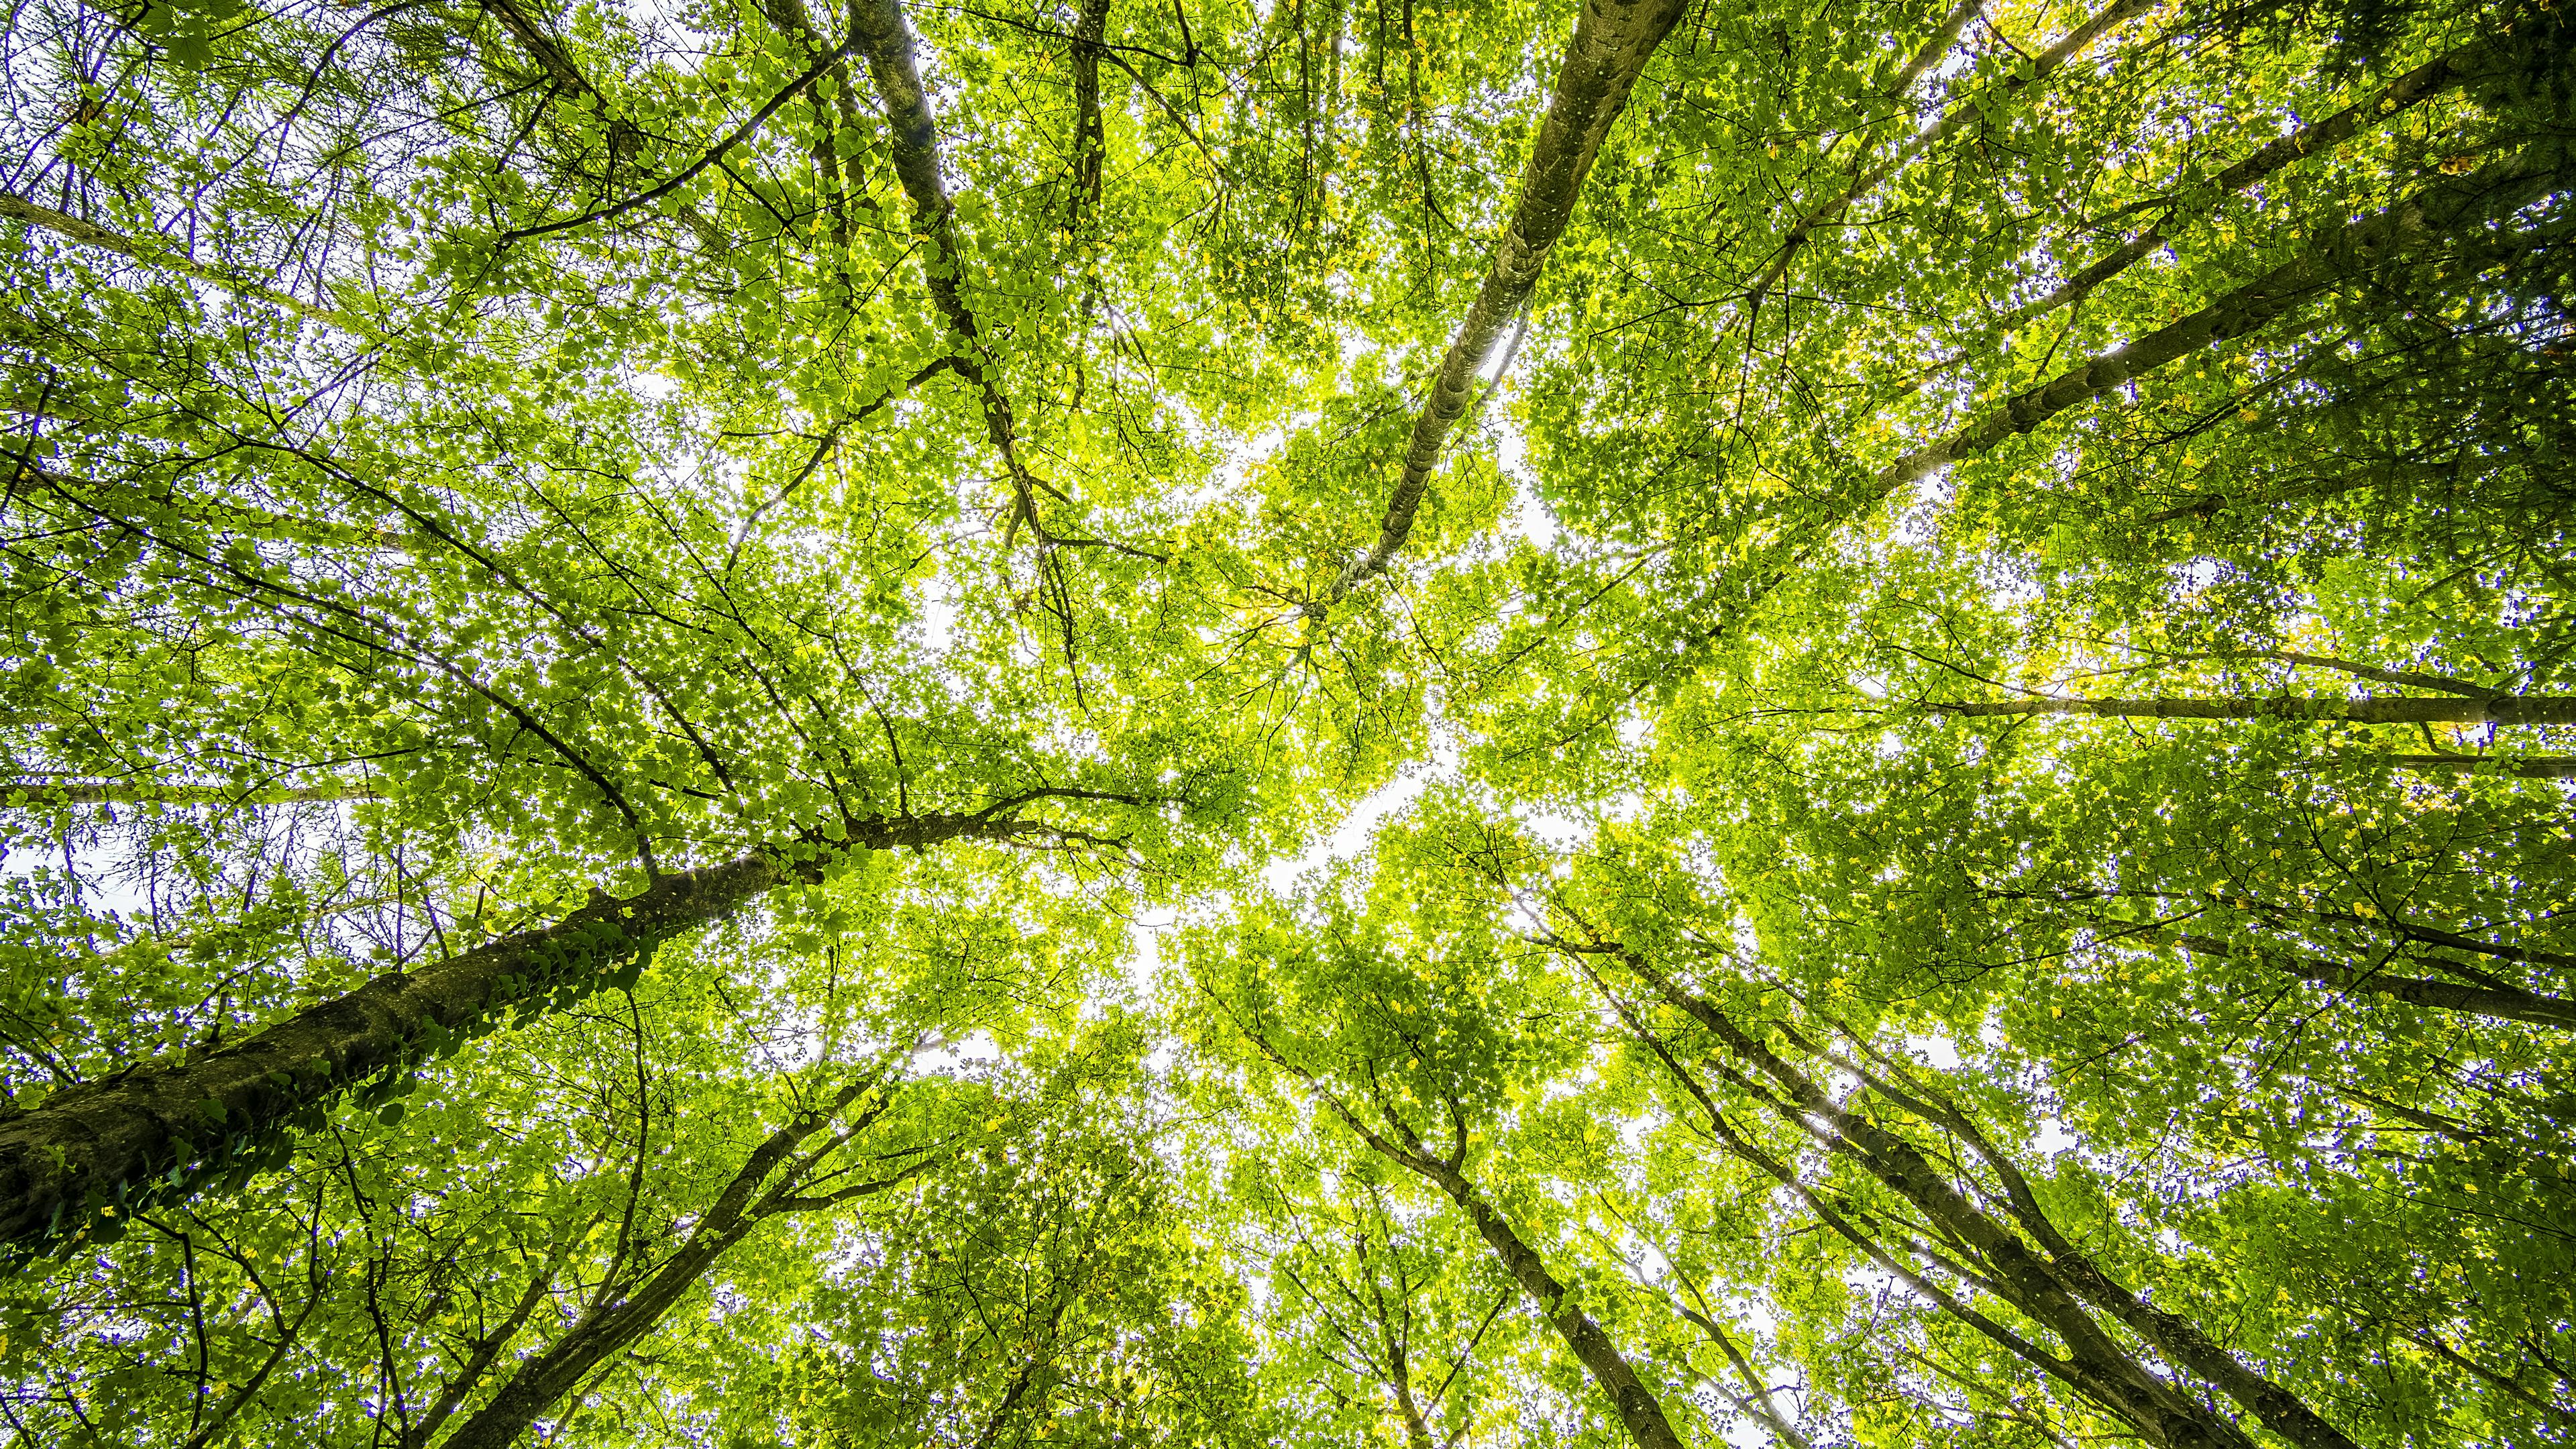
x: 1445, y: 723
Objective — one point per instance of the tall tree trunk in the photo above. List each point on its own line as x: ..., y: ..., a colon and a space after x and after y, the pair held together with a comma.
x: 1613, y: 39
x: 147, y: 792
x: 2460, y: 206
x: 883, y: 36
x: 1089, y: 152
x: 2095, y: 1368
x: 2046, y: 1286
x: 2505, y: 709
x: 614, y: 1324
x: 1638, y: 1410
x: 2502, y: 1003
x: 160, y: 1129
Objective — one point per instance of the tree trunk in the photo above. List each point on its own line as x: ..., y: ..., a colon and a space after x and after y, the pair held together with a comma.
x: 145, y: 792
x: 1613, y: 39
x: 2505, y: 709
x: 611, y: 1326
x: 158, y: 1130
x: 884, y: 37
x: 2503, y: 1003
x: 1639, y: 1411
x: 2043, y: 1287
x: 2491, y: 192
x: 1636, y: 1405
x: 1090, y: 141
x: 2432, y: 78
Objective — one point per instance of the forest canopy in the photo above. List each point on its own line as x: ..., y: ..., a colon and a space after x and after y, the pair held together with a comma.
x: 1432, y: 723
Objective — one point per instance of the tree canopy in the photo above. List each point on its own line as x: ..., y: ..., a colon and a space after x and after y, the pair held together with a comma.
x: 1443, y: 723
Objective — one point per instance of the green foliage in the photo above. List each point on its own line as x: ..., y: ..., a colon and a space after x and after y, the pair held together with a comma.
x: 1802, y: 828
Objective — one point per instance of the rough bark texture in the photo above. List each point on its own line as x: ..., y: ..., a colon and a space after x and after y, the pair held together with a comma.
x: 2462, y: 206
x: 1613, y: 39
x: 163, y: 1126
x: 2531, y: 709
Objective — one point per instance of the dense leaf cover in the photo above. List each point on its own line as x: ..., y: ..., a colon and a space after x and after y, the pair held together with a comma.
x: 1162, y: 722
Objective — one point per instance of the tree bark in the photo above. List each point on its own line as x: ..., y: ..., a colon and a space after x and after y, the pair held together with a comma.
x: 160, y: 1129
x: 884, y: 37
x: 1090, y: 141
x: 2095, y: 1368
x: 2492, y: 192
x: 478, y: 1361
x: 1639, y: 1411
x: 1613, y: 39
x: 2504, y: 709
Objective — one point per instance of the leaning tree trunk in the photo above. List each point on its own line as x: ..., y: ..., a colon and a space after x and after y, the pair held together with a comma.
x: 2504, y: 709
x: 161, y: 1129
x: 2044, y: 1283
x: 2095, y: 1367
x: 2459, y: 206
x: 1639, y: 1412
x: 2504, y: 1003
x: 883, y: 36
x: 1613, y: 39
x: 616, y: 1323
